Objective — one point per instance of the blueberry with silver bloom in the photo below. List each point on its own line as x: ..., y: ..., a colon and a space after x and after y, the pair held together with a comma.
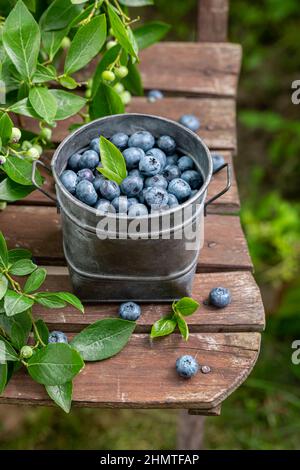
x: 73, y: 162
x: 86, y: 193
x: 180, y: 188
x: 120, y: 140
x: 69, y: 180
x: 103, y: 206
x: 57, y: 337
x: 159, y: 154
x: 194, y: 178
x: 157, y: 180
x: 157, y: 197
x: 90, y: 159
x: 130, y: 311
x: 190, y: 121
x: 141, y: 195
x: 149, y: 165
x: 120, y: 203
x: 171, y: 172
x: 185, y: 163
x: 172, y: 201
x: 142, y: 139
x: 95, y: 144
x: 86, y: 174
x: 219, y: 297
x: 154, y: 95
x: 187, y: 366
x: 133, y: 156
x: 97, y: 182
x: 167, y: 144
x: 131, y: 201
x: 172, y: 160
x: 135, y: 172
x: 132, y: 185
x: 218, y: 161
x: 137, y: 210
x: 109, y: 189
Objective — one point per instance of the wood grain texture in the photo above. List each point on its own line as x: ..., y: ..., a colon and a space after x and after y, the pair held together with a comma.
x: 143, y: 374
x: 244, y: 314
x: 38, y: 229
x: 216, y: 411
x: 212, y: 20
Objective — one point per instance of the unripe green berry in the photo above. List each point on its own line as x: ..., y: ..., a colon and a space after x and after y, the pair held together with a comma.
x: 46, y: 133
x: 125, y: 97
x: 26, y: 145
x: 111, y: 44
x: 15, y: 135
x: 66, y: 42
x: 39, y: 148
x: 121, y: 71
x: 88, y: 93
x: 108, y: 75
x: 26, y: 352
x: 2, y: 159
x: 33, y: 154
x: 111, y: 33
x: 89, y: 83
x: 118, y: 87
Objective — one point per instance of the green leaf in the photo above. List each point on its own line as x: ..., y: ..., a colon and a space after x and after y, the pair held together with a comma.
x: 21, y: 39
x: 49, y: 300
x: 51, y: 41
x: 86, y: 44
x: 133, y: 81
x: 35, y: 280
x: 20, y: 328
x: 3, y: 377
x: 108, y: 58
x: 68, y: 82
x: 68, y: 104
x: 16, y: 303
x: 44, y: 74
x: 82, y: 16
x: 150, y: 33
x: 163, y: 327
x: 7, y: 352
x: 70, y: 299
x: 24, y: 107
x: 183, y: 327
x: 110, y: 175
x: 112, y: 160
x: 136, y: 3
x: 186, y: 306
x: 120, y: 32
x: 58, y: 15
x: 19, y: 170
x: 3, y: 285
x: 6, y: 126
x: 43, y: 102
x: 3, y: 251
x: 106, y: 102
x: 103, y: 339
x: 55, y: 364
x: 11, y: 191
x: 42, y: 330
x: 78, y: 2
x: 18, y: 253
x: 61, y: 395
x: 22, y: 267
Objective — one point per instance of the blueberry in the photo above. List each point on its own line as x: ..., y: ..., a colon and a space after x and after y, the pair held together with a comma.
x: 120, y: 140
x: 149, y: 165
x: 141, y: 195
x: 172, y: 201
x: 57, y: 337
x: 194, y: 191
x: 154, y: 95
x: 159, y: 154
x: 180, y: 188
x: 219, y: 297
x: 86, y: 174
x: 132, y: 185
x: 190, y: 121
x: 94, y: 145
x: 135, y: 172
x: 104, y: 206
x: 187, y: 366
x: 129, y: 311
x: 120, y: 203
x: 133, y: 156
x: 109, y: 189
x: 172, y: 160
x: 167, y: 144
x: 157, y: 180
x: 90, y: 159
x: 131, y: 201
x: 137, y: 210
x: 73, y: 162
x: 97, y: 182
x: 185, y: 163
x: 142, y: 139
x: 171, y: 172
x: 86, y: 193
x: 69, y: 180
x: 194, y: 178
x: 218, y: 161
x: 157, y: 197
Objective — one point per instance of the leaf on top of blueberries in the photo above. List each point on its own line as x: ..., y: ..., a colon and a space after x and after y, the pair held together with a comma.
x: 114, y: 165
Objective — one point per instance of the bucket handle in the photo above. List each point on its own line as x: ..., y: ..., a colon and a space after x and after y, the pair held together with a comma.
x: 33, y: 180
x: 224, y: 190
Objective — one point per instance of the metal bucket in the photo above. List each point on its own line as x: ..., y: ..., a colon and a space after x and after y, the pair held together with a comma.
x: 105, y: 261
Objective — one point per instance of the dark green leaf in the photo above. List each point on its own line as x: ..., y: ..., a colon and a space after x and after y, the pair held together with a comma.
x: 120, y: 32
x: 68, y: 82
x: 43, y: 102
x: 22, y: 267
x: 106, y: 102
x: 3, y: 251
x: 6, y: 126
x: 136, y: 3
x: 7, y: 352
x: 51, y: 41
x: 42, y: 330
x: 18, y: 253
x: 71, y: 299
x: 112, y: 160
x: 19, y: 170
x: 21, y: 39
x: 24, y: 107
x: 82, y: 16
x: 20, y: 328
x: 44, y: 74
x: 55, y: 364
x: 186, y: 306
x: 16, y: 303
x: 11, y: 191
x: 108, y: 58
x: 183, y: 327
x: 133, y: 81
x: 103, y: 339
x: 58, y: 15
x: 86, y: 44
x: 3, y: 285
x: 35, y: 280
x: 68, y: 104
x: 150, y: 33
x: 49, y: 300
x: 31, y: 5
x: 3, y: 377
x: 61, y: 395
x: 163, y: 327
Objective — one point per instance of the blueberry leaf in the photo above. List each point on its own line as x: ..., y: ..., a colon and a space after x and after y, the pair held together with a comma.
x: 183, y: 327
x: 35, y: 280
x: 16, y: 303
x: 49, y: 300
x: 43, y: 103
x: 43, y: 331
x: 163, y: 327
x: 105, y: 102
x: 3, y: 285
x: 133, y: 81
x: 136, y: 3
x: 150, y: 33
x: 20, y: 170
x: 3, y: 252
x: 18, y: 253
x: 23, y: 107
x: 20, y: 327
x: 61, y: 395
x: 51, y: 41
x: 68, y: 104
x: 6, y: 126
x: 108, y: 58
x: 22, y: 267
x: 58, y: 15
x: 186, y: 306
x: 11, y: 191
x: 120, y: 32
x: 70, y: 299
x: 112, y: 160
x: 7, y: 352
x: 3, y: 377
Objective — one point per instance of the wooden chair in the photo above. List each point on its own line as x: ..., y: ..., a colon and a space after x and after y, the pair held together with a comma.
x: 199, y: 78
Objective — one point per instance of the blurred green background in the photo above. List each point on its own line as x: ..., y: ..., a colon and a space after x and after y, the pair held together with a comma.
x: 264, y: 412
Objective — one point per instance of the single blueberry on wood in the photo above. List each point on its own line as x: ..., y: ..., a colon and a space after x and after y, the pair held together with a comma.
x: 219, y: 297
x: 154, y: 95
x: 69, y: 180
x: 218, y: 161
x: 57, y: 337
x: 187, y: 366
x: 129, y: 311
x: 86, y: 193
x: 190, y: 121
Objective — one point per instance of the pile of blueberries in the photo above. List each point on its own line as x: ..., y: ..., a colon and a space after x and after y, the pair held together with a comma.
x: 158, y: 176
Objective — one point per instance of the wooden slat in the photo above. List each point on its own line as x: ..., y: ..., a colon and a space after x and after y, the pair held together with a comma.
x: 37, y: 228
x: 212, y: 20
x: 244, y: 314
x: 216, y: 411
x: 143, y: 375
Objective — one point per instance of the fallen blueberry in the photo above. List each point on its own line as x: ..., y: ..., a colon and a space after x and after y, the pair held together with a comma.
x: 133, y: 156
x: 179, y: 188
x: 57, y: 337
x: 194, y: 178
x: 142, y: 139
x: 219, y: 297
x: 218, y: 161
x: 154, y: 95
x: 86, y: 193
x: 149, y: 165
x: 132, y: 185
x: 159, y: 154
x: 129, y: 311
x: 90, y: 159
x: 167, y: 144
x: 69, y: 180
x: 171, y: 172
x: 120, y: 140
x: 109, y: 189
x: 86, y: 174
x: 137, y: 210
x: 190, y: 121
x: 157, y: 197
x: 157, y: 180
x: 187, y: 366
x: 73, y: 162
x: 185, y: 163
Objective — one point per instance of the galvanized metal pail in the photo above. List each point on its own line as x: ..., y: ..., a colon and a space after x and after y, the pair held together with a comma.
x: 106, y: 261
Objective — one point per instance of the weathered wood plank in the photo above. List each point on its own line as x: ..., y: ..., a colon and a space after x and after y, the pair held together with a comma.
x: 244, y: 314
x: 212, y: 20
x: 143, y: 374
x: 38, y: 229
x: 216, y: 411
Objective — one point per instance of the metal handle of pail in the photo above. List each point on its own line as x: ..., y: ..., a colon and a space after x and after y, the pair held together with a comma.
x: 34, y: 182
x: 224, y: 190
